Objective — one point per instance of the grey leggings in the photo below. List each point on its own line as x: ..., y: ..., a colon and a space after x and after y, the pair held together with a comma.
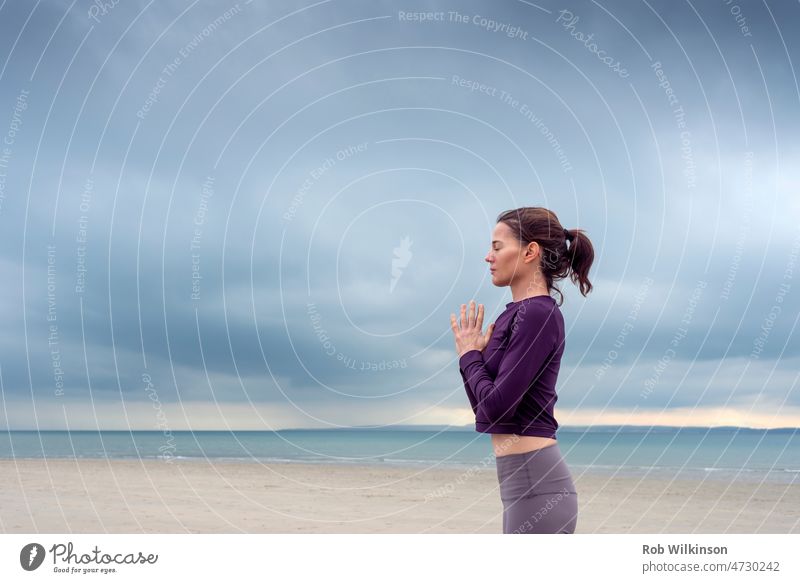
x: 537, y: 492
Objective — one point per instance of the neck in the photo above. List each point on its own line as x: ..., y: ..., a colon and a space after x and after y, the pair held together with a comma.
x: 528, y: 288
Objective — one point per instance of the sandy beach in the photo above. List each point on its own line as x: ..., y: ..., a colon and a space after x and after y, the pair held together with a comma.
x: 153, y: 496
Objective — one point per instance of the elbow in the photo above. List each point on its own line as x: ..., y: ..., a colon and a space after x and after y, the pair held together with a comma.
x: 495, y: 412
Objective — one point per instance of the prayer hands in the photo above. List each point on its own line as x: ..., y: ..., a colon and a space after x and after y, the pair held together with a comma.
x: 469, y: 336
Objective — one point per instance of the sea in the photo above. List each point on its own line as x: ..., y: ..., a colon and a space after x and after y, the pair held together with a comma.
x: 728, y: 453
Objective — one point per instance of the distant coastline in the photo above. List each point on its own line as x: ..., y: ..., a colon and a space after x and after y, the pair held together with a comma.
x: 562, y: 428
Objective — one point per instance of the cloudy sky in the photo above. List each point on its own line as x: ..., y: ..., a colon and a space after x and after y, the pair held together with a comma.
x: 260, y: 215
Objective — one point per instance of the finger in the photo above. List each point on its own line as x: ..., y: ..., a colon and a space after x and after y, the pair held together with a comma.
x: 453, y: 323
x: 472, y: 313
x: 479, y: 321
x: 463, y: 316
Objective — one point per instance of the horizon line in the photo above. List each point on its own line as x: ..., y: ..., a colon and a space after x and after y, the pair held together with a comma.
x: 422, y: 425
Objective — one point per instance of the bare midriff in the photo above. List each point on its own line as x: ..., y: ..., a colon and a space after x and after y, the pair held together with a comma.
x: 508, y: 443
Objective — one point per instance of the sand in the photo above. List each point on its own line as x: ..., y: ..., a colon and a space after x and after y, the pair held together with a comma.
x: 154, y: 496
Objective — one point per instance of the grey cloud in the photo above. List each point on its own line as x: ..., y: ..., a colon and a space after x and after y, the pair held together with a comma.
x: 626, y: 187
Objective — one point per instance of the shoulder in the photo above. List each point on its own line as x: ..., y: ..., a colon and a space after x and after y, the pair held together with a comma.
x: 534, y: 318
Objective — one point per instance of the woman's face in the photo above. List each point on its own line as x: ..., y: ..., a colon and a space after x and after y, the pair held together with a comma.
x: 506, y: 257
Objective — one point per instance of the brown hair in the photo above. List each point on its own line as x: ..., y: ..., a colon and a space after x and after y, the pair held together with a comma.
x: 533, y: 223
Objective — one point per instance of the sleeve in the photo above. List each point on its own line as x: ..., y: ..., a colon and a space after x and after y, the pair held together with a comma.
x: 470, y: 395
x: 530, y: 346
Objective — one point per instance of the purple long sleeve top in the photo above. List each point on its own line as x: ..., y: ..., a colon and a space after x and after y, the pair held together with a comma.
x: 511, y: 385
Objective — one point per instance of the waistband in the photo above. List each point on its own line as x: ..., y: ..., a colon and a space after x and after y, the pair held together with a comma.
x: 541, y: 460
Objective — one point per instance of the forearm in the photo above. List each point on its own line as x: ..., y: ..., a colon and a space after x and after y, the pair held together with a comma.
x: 481, y: 389
x: 470, y: 395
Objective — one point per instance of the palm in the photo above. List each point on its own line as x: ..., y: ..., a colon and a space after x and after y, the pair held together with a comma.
x: 468, y: 335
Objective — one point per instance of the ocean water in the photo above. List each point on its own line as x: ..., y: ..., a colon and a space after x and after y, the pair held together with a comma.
x: 695, y: 453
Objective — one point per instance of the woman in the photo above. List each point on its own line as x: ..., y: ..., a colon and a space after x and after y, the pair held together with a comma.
x: 510, y: 371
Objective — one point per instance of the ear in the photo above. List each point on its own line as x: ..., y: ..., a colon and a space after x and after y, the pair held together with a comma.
x: 532, y: 251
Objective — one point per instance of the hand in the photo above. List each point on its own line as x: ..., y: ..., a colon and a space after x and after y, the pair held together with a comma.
x: 469, y: 336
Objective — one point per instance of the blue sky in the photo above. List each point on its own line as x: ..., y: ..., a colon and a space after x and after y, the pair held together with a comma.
x: 261, y: 215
